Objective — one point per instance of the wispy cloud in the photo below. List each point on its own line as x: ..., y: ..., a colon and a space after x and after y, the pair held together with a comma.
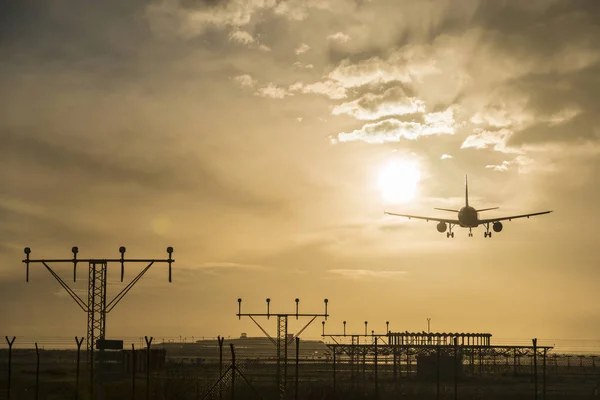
x: 245, y: 80
x: 394, y: 130
x: 303, y: 48
x: 327, y: 88
x: 373, y: 106
x: 339, y: 37
x: 446, y: 157
x: 221, y: 264
x: 483, y: 139
x: 273, y: 91
x: 367, y: 273
x: 242, y: 37
x: 217, y: 267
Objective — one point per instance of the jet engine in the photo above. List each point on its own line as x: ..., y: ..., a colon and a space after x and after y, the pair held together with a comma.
x: 497, y: 226
x: 441, y: 227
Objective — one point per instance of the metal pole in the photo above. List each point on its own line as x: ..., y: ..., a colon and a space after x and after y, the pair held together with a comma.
x: 437, y: 356
x: 148, y: 344
x: 395, y: 353
x: 297, y: 365
x: 376, y: 372
x: 535, y: 380
x: 220, y: 339
x: 37, y: 372
x: 544, y: 372
x: 10, y: 344
x: 334, y: 372
x: 133, y: 371
x: 455, y: 368
x: 233, y: 371
x: 79, y: 342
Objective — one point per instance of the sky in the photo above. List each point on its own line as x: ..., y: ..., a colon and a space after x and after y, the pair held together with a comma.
x: 252, y: 135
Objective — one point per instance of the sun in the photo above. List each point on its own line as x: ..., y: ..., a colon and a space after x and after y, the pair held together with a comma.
x: 398, y: 180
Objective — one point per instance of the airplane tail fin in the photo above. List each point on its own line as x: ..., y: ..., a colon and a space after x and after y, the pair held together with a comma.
x: 487, y: 209
x: 445, y: 209
x: 466, y: 192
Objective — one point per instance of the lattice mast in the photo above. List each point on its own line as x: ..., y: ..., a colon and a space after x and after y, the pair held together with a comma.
x: 282, y: 342
x: 96, y: 306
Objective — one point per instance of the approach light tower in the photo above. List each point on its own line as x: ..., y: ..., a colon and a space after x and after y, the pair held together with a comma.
x: 282, y: 342
x: 96, y: 306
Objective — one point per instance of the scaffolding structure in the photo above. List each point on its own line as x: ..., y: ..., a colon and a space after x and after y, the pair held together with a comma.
x: 404, y: 348
x: 283, y: 340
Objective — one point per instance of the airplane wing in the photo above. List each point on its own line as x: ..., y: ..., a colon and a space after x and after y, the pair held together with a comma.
x: 446, y: 220
x: 490, y: 220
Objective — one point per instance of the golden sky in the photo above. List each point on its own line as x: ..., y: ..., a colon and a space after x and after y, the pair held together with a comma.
x: 251, y: 135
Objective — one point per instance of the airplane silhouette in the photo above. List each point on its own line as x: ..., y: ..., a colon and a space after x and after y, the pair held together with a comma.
x: 468, y: 217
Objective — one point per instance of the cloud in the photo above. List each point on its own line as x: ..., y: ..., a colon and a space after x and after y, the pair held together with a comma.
x: 339, y: 37
x: 171, y: 17
x: 297, y: 10
x: 303, y: 48
x: 523, y: 163
x: 375, y: 106
x: 245, y: 81
x: 446, y: 157
x: 501, y: 167
x: 273, y: 91
x: 483, y: 139
x: 394, y: 130
x: 366, y: 273
x: 230, y: 265
x: 242, y: 37
x: 298, y: 64
x: 373, y: 70
x: 328, y: 88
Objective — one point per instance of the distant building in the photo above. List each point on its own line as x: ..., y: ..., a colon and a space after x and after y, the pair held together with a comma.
x: 244, y: 335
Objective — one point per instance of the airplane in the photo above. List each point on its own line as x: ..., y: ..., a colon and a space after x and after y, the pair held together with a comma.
x: 468, y: 217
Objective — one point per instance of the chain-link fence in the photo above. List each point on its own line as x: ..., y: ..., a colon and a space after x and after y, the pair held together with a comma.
x: 27, y: 373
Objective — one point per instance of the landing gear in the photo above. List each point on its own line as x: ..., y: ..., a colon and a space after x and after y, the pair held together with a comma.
x: 470, y: 232
x: 450, y: 235
x: 487, y: 232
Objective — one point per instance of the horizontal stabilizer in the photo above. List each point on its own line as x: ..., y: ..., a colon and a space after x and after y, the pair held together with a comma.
x: 487, y: 209
x: 445, y: 209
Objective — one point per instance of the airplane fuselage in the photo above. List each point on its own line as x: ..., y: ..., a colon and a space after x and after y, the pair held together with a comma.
x: 468, y: 217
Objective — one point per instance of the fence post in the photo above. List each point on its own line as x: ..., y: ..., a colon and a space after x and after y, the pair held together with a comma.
x: 376, y: 372
x: 437, y: 356
x: 148, y: 343
x: 79, y: 342
x: 535, y: 380
x: 233, y: 371
x: 10, y: 344
x: 220, y: 340
x: 297, y: 366
x: 37, y: 372
x: 544, y: 372
x: 334, y: 373
x: 133, y: 371
x: 456, y: 368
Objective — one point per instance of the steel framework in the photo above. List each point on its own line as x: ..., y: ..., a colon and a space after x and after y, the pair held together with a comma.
x: 283, y: 341
x: 96, y: 306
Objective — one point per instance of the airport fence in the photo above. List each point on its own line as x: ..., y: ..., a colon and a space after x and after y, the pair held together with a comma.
x: 157, y: 372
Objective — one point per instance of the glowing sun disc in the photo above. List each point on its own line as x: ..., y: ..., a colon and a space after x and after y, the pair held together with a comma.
x: 398, y: 180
